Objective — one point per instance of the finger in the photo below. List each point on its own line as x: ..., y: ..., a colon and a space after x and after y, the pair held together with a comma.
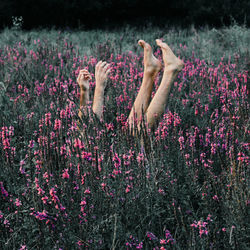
x: 78, y: 78
x: 80, y: 73
x: 106, y: 66
x: 98, y: 64
x: 107, y: 72
x: 86, y: 73
x: 103, y: 64
x: 83, y: 71
x: 87, y: 76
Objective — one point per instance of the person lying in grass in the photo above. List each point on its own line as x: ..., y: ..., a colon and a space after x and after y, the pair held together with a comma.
x: 142, y: 108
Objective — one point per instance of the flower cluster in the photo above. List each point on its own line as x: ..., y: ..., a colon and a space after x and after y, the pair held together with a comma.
x: 71, y: 183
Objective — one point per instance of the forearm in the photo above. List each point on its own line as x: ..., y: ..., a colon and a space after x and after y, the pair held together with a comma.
x: 84, y: 98
x: 98, y: 102
x: 101, y: 73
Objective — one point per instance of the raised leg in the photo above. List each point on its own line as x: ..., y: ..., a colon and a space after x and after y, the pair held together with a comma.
x: 151, y: 68
x: 173, y: 66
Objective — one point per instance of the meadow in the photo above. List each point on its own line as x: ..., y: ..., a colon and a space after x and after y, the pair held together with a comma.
x: 188, y: 189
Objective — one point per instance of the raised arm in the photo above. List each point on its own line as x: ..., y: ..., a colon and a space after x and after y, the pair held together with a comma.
x: 83, y: 81
x: 101, y: 73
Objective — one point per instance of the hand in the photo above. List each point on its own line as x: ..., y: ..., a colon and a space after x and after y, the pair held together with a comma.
x: 83, y: 79
x: 101, y: 73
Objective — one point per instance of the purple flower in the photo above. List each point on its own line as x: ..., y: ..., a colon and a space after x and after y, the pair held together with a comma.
x: 3, y: 190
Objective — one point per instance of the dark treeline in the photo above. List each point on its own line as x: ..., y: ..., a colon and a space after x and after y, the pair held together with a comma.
x: 103, y: 13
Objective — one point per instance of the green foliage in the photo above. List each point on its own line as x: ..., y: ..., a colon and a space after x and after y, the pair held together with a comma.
x: 103, y: 189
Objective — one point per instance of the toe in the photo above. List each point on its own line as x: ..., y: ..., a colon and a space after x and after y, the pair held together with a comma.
x: 159, y: 42
x: 141, y: 43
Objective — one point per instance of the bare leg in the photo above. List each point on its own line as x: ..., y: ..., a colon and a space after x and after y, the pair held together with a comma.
x: 83, y: 81
x: 101, y: 74
x: 151, y: 68
x: 173, y: 66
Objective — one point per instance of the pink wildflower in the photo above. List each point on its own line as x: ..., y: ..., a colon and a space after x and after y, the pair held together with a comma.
x: 163, y: 241
x: 65, y: 174
x: 18, y: 203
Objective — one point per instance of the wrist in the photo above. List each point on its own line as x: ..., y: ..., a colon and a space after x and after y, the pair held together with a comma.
x: 99, y: 88
x: 83, y: 89
x: 100, y: 85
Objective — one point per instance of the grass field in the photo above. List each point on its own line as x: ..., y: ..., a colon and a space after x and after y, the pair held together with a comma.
x: 187, y: 189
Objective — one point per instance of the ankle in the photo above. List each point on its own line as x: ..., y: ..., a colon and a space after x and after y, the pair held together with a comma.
x: 151, y: 71
x: 174, y: 67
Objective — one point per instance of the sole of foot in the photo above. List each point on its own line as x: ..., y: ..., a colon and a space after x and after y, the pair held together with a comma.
x: 151, y: 63
x: 169, y: 58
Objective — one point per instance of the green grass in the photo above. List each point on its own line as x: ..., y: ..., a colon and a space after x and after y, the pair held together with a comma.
x: 207, y: 44
x: 187, y: 189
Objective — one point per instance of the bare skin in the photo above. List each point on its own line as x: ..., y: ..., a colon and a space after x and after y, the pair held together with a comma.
x: 83, y: 82
x: 101, y: 73
x: 173, y: 66
x: 142, y: 105
x: 151, y: 68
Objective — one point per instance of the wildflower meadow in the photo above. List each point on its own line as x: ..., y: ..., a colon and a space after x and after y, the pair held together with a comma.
x: 186, y: 188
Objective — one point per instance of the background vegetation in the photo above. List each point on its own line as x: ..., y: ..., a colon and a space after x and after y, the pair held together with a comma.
x: 186, y: 189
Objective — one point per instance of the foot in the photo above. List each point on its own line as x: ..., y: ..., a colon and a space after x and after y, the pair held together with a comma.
x: 151, y: 63
x: 170, y: 60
